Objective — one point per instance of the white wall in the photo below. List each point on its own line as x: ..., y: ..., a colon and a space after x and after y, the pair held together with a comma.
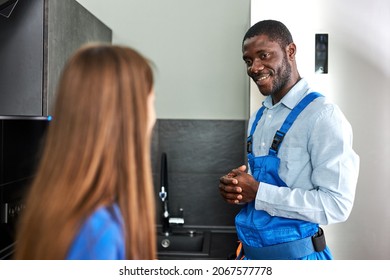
x: 359, y: 82
x: 196, y: 46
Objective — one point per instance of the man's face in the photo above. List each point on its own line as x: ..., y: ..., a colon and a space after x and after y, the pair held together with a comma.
x: 267, y: 65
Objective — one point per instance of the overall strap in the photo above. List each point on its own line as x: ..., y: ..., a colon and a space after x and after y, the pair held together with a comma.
x: 279, y: 135
x: 254, y: 125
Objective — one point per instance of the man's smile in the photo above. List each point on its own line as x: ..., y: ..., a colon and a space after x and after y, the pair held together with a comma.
x: 261, y: 79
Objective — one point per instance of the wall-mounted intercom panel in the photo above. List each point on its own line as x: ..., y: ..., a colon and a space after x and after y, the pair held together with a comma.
x: 321, y: 53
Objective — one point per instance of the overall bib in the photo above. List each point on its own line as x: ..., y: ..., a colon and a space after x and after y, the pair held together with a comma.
x: 264, y: 236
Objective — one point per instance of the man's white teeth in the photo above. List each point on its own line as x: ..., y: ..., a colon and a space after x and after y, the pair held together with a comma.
x: 263, y: 77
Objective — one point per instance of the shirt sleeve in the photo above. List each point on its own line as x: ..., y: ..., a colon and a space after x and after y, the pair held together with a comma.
x: 334, y: 176
x: 100, y: 238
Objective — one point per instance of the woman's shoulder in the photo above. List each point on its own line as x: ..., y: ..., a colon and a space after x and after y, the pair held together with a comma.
x: 100, y: 236
x: 105, y: 218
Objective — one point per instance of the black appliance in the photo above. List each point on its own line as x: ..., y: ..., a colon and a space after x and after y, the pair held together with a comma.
x: 21, y: 143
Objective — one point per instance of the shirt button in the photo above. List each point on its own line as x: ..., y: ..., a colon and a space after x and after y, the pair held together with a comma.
x: 269, y: 116
x: 262, y: 144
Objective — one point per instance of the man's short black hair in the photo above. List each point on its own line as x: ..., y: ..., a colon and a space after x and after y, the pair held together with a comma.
x: 275, y: 30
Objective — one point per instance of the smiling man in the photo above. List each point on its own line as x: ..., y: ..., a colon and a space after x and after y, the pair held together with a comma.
x: 303, y: 170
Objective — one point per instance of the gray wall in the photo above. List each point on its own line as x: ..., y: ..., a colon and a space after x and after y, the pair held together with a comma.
x: 196, y: 47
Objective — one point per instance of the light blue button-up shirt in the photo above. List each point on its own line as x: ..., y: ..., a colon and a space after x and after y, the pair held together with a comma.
x: 317, y: 161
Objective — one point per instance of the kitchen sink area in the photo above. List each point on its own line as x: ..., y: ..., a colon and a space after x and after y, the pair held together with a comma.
x: 197, y: 243
x: 179, y: 240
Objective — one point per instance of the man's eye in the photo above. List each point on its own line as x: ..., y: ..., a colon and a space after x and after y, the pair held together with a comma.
x: 248, y: 62
x: 264, y: 55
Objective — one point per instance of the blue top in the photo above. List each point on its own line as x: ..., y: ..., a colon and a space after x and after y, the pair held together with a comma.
x: 317, y: 161
x: 100, y: 237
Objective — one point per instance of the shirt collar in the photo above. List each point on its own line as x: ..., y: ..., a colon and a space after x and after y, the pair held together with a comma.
x: 296, y: 93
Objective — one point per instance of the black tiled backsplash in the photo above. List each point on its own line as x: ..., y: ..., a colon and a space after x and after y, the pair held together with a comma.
x: 198, y: 153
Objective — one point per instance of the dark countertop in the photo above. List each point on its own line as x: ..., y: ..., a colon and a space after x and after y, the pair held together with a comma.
x: 222, y: 244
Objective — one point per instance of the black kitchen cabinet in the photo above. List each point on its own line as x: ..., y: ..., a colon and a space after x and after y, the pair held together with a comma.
x: 21, y: 143
x: 35, y: 41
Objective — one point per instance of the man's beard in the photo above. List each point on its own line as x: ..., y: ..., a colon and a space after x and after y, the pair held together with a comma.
x: 282, y: 77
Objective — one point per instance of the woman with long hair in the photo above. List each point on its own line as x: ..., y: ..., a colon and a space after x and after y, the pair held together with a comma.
x: 92, y: 196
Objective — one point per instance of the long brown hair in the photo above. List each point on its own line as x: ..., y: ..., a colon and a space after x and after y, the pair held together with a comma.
x: 97, y: 151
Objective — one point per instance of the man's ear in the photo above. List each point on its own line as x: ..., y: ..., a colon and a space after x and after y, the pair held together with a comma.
x: 291, y: 50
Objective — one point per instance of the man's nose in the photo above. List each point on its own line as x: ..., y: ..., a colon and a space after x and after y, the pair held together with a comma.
x: 256, y: 66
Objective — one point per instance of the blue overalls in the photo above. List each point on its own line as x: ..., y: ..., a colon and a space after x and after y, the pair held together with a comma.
x: 270, y: 237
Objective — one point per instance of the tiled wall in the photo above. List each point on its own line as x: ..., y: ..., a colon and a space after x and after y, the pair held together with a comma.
x: 198, y: 153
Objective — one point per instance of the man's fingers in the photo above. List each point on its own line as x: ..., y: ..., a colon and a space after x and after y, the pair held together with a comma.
x: 228, y: 180
x: 231, y: 189
x: 242, y: 168
x: 238, y: 171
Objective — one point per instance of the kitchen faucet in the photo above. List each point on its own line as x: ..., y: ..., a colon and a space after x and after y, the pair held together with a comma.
x: 166, y: 220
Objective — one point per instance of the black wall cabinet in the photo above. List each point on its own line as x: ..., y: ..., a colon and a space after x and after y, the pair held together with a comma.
x: 35, y: 41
